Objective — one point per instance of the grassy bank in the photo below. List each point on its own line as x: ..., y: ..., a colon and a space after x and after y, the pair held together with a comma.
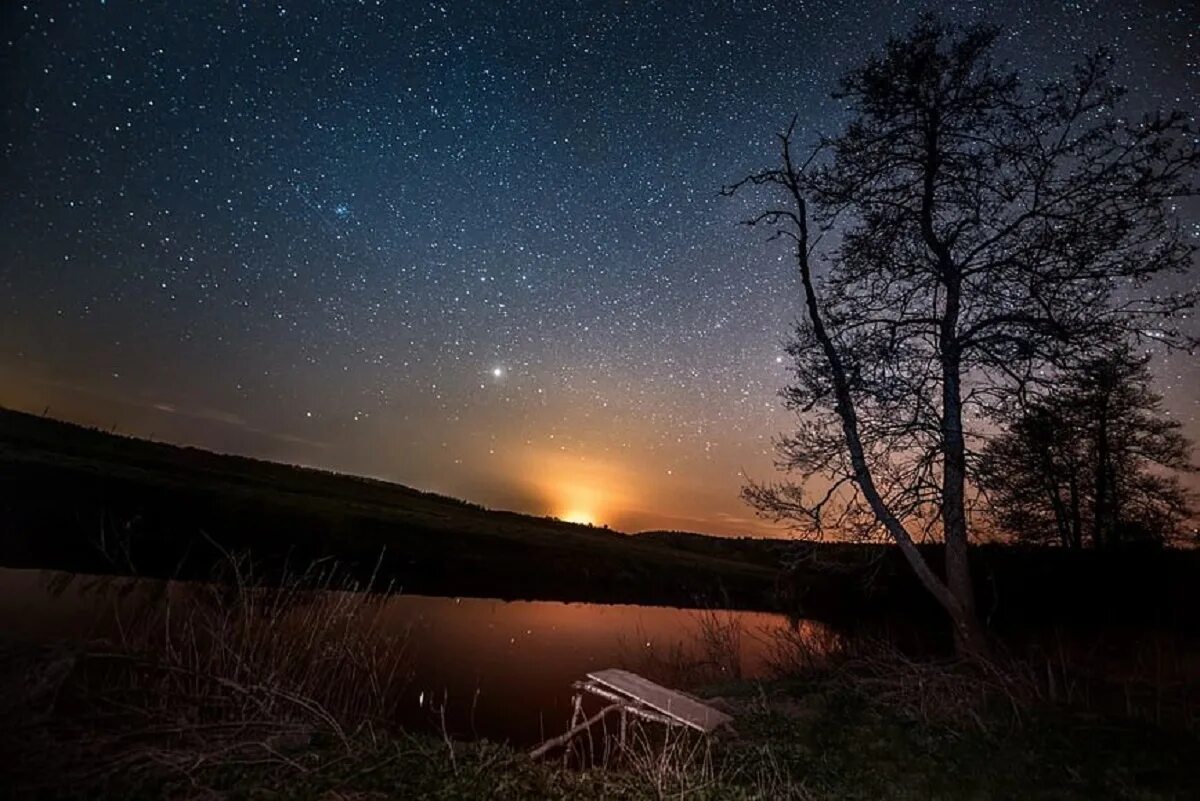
x: 826, y: 735
x: 250, y: 692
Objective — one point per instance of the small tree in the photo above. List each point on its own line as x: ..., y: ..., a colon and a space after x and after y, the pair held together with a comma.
x: 1035, y: 476
x: 1093, y: 462
x: 979, y: 232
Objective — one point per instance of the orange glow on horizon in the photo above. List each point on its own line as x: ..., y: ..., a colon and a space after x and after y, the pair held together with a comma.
x: 575, y: 488
x: 578, y: 516
x: 580, y: 499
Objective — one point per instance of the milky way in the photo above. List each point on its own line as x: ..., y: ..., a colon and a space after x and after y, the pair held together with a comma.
x: 477, y: 248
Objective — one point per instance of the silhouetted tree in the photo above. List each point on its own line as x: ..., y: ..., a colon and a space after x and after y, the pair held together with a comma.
x: 1035, y: 474
x: 979, y: 231
x: 1092, y: 462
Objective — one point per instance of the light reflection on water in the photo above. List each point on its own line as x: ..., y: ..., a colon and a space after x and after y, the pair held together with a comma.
x: 502, y: 668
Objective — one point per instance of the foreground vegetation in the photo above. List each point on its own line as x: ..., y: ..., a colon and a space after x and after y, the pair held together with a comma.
x: 232, y: 691
x: 819, y: 741
x: 825, y: 735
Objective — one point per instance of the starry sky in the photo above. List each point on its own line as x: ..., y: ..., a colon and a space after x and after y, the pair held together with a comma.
x: 476, y: 248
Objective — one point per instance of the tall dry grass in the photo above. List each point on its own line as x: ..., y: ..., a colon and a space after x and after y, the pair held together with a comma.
x: 1151, y: 676
x: 231, y: 673
x: 717, y: 646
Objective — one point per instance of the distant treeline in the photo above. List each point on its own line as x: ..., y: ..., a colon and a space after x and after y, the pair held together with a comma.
x: 1017, y: 585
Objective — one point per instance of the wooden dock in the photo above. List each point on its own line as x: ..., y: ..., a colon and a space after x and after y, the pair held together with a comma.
x: 632, y: 695
x: 679, y: 708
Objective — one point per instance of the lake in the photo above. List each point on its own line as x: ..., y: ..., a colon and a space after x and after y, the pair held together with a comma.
x: 498, y: 669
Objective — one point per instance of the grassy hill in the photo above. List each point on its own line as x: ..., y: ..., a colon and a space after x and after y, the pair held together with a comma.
x: 81, y: 499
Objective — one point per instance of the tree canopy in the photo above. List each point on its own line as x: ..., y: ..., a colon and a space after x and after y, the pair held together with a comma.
x: 964, y: 238
x: 1094, y: 463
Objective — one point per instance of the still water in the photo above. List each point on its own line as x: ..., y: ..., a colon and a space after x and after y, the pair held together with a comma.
x: 498, y: 669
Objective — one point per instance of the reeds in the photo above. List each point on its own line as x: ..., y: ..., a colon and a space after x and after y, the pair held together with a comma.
x: 197, y: 675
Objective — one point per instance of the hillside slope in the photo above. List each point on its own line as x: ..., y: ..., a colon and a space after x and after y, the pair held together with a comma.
x: 82, y: 499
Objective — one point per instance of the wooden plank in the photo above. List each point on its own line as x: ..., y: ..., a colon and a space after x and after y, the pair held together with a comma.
x: 675, y: 705
x: 636, y: 708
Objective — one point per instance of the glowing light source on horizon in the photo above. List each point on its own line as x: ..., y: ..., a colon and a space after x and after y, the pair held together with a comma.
x: 574, y: 486
x: 579, y: 516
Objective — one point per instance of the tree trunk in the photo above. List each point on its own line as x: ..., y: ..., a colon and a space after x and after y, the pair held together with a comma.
x: 969, y: 639
x: 1054, y: 496
x: 1101, y: 512
x: 1114, y: 533
x: 1061, y: 523
x: 1076, y: 516
x: 968, y: 635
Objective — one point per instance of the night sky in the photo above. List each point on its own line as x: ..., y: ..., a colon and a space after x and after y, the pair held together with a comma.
x: 474, y: 248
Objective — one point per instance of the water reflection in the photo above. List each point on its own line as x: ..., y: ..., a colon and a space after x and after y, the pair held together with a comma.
x: 497, y: 669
